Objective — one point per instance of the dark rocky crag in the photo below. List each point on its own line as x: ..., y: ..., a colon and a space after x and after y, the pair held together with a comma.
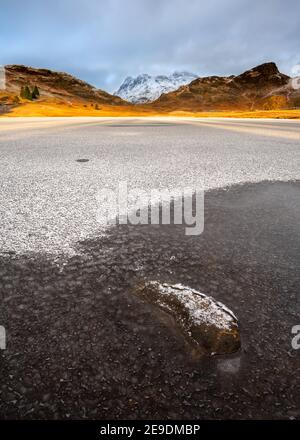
x: 248, y: 91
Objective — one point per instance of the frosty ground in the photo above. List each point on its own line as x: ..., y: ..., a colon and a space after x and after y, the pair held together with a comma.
x: 80, y: 344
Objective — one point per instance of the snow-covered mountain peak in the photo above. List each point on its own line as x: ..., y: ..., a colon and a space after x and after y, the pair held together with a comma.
x: 146, y: 88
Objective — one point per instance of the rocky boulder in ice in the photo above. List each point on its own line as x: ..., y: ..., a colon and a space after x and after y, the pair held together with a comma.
x: 207, y: 323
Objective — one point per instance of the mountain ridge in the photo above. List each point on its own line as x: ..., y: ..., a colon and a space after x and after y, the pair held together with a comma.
x: 261, y: 88
x: 246, y: 91
x: 55, y: 84
x: 146, y: 88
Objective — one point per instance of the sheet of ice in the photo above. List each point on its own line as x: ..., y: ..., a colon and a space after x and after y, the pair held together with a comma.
x: 48, y: 200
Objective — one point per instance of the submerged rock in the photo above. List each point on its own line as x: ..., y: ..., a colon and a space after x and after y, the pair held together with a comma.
x: 206, y: 322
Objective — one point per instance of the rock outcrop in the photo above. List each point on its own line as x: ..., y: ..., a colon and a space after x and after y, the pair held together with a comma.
x: 205, y: 322
x: 248, y: 91
x: 58, y: 85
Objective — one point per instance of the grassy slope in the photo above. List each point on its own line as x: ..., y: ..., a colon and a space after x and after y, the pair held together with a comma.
x: 48, y: 107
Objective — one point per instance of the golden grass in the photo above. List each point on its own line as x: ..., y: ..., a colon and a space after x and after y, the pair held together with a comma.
x: 277, y: 114
x: 49, y: 108
x: 36, y: 109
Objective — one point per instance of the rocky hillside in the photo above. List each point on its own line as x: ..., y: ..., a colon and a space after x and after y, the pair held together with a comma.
x: 58, y: 85
x: 261, y: 87
x: 147, y: 88
x: 60, y: 94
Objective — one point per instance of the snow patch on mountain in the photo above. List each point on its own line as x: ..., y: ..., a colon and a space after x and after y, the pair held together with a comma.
x: 147, y: 88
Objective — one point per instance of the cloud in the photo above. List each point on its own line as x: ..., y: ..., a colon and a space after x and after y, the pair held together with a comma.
x: 104, y: 41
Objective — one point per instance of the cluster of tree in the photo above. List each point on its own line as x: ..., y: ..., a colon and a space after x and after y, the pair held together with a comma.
x: 26, y: 93
x: 96, y: 106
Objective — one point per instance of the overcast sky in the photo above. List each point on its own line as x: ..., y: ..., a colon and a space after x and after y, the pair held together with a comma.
x: 103, y: 41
